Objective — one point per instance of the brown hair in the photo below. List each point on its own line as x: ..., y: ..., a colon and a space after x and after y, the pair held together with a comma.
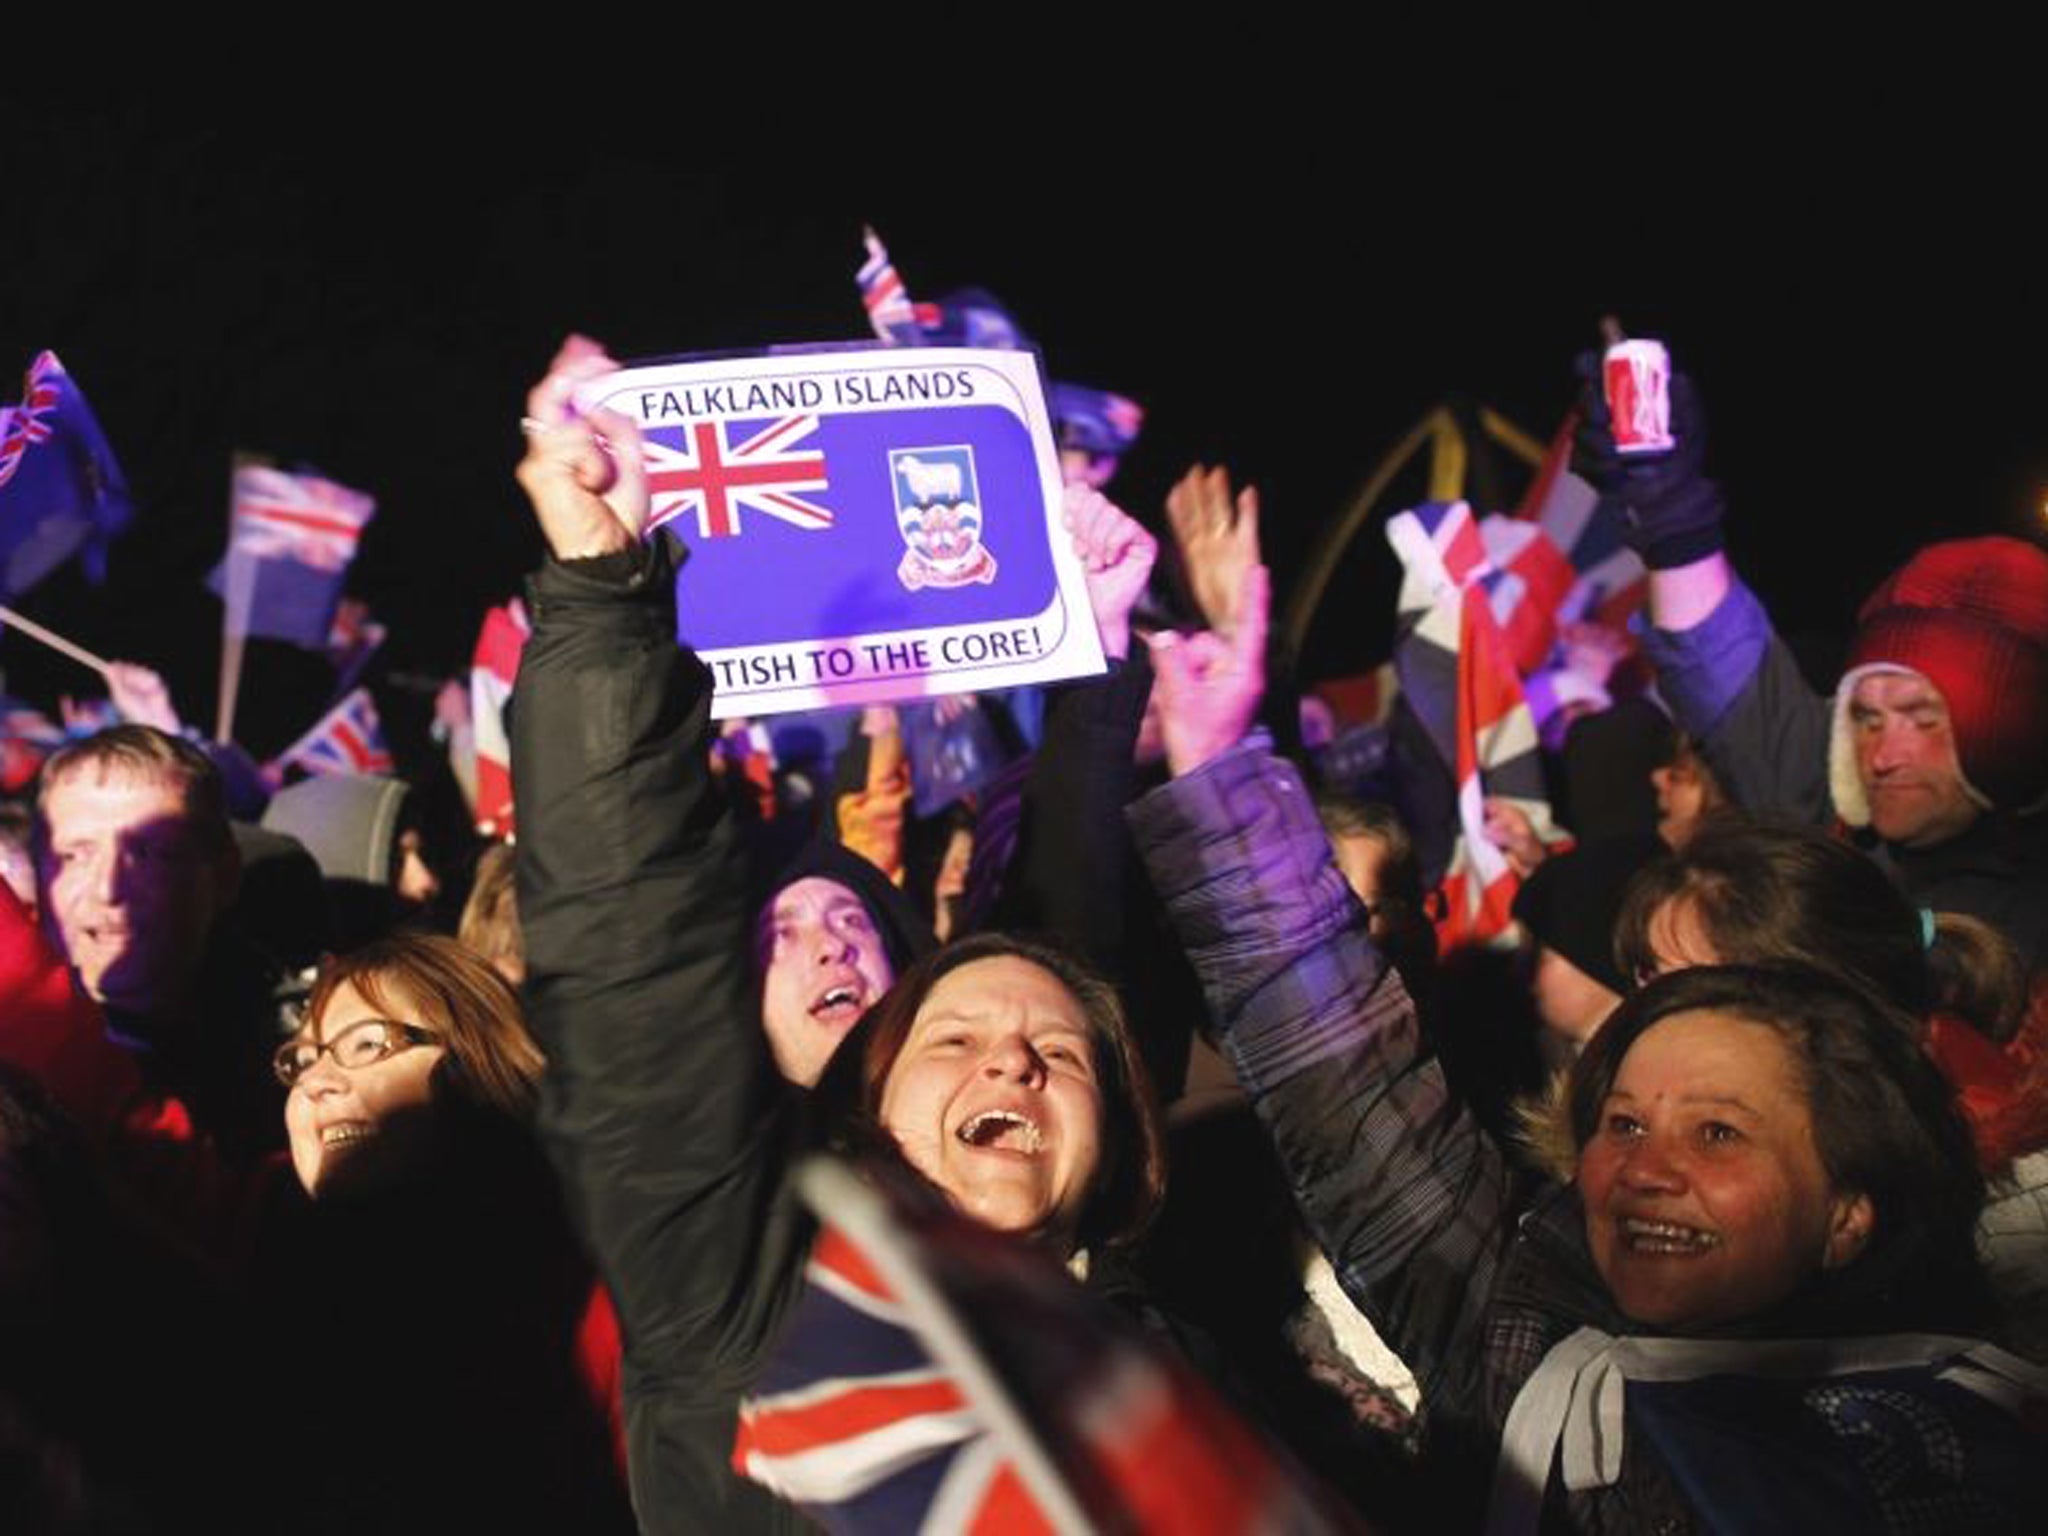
x: 1131, y: 1179
x: 144, y: 752
x: 1401, y: 872
x: 433, y: 981
x: 1885, y: 1123
x: 490, y: 918
x: 1769, y: 895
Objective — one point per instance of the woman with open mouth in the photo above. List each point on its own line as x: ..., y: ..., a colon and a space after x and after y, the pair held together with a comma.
x: 1001, y: 1072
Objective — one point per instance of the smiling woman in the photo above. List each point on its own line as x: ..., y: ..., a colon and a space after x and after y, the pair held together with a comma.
x: 1000, y: 1072
x: 1757, y: 1142
x: 365, y: 1073
x: 435, y: 1259
x: 1005, y: 1072
x: 1765, y: 1259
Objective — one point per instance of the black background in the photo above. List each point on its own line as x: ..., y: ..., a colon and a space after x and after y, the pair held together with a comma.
x: 1861, y: 308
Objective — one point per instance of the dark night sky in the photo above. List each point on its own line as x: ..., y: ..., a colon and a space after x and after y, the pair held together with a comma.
x: 1864, y: 320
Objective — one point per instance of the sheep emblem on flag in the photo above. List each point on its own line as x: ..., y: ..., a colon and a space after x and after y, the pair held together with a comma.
x: 938, y: 512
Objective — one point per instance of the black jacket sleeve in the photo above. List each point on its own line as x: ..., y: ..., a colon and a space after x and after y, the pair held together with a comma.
x: 1073, y: 853
x: 661, y: 1110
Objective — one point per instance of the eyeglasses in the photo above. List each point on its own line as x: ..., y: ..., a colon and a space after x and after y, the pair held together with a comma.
x: 364, y: 1043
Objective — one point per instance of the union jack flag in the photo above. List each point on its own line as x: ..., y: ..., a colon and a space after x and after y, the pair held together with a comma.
x: 21, y: 425
x: 856, y: 1416
x: 354, y: 634
x: 714, y: 477
x: 1609, y: 580
x: 300, y: 518
x: 348, y: 739
x: 936, y: 1376
x: 1455, y: 654
x: 882, y: 292
x: 67, y: 497
x: 494, y: 664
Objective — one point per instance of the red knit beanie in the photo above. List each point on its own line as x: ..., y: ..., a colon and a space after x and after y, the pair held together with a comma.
x: 1970, y: 616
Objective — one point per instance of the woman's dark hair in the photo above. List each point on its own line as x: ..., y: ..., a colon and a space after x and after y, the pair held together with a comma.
x: 425, y: 979
x: 1131, y: 1178
x: 1885, y: 1123
x: 1770, y: 895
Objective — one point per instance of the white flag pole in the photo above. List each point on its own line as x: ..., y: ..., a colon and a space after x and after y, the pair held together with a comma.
x: 52, y: 639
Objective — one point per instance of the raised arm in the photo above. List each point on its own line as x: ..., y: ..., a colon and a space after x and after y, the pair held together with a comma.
x: 1405, y: 1195
x: 660, y: 1109
x: 1728, y: 678
x: 1068, y: 874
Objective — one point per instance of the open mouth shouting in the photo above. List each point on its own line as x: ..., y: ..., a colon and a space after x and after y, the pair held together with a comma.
x: 841, y: 1003
x: 1002, y: 1130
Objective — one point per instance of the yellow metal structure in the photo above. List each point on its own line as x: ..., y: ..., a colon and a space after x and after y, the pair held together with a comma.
x: 1449, y: 464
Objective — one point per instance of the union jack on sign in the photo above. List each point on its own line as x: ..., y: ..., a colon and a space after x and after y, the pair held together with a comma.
x: 714, y: 477
x: 315, y: 522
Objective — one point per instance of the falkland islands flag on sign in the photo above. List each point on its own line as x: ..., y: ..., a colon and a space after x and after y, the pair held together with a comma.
x: 864, y: 525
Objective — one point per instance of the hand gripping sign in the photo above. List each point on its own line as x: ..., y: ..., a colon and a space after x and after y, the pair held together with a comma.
x: 864, y: 525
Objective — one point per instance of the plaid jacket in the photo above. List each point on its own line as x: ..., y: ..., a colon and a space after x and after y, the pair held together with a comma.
x: 1472, y: 1280
x: 1412, y: 1203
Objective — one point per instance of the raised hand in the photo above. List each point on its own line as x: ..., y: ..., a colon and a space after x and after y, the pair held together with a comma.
x: 1509, y: 829
x: 142, y: 696
x: 452, y: 707
x: 1208, y: 685
x: 1116, y: 556
x: 1218, y: 539
x: 1594, y: 650
x: 1671, y: 511
x: 582, y: 471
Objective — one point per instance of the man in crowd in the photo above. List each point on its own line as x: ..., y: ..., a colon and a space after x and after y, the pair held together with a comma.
x: 1934, y: 747
x: 137, y: 867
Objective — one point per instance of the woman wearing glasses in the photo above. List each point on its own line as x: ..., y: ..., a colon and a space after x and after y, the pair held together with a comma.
x: 432, y: 1266
x: 397, y: 1032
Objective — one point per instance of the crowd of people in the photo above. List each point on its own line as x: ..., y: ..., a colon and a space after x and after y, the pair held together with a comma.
x: 1713, y: 1196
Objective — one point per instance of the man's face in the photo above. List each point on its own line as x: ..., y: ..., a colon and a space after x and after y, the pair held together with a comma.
x: 825, y: 964
x: 131, y: 886
x: 1906, y: 758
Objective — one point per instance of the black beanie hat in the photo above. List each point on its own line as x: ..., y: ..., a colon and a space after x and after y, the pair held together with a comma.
x: 1573, y: 900
x: 906, y: 936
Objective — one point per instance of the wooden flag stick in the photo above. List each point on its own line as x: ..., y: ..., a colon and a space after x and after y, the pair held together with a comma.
x: 52, y: 639
x: 232, y: 646
x: 239, y: 590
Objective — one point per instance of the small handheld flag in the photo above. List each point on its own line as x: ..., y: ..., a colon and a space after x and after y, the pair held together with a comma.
x: 61, y: 490
x: 348, y: 739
